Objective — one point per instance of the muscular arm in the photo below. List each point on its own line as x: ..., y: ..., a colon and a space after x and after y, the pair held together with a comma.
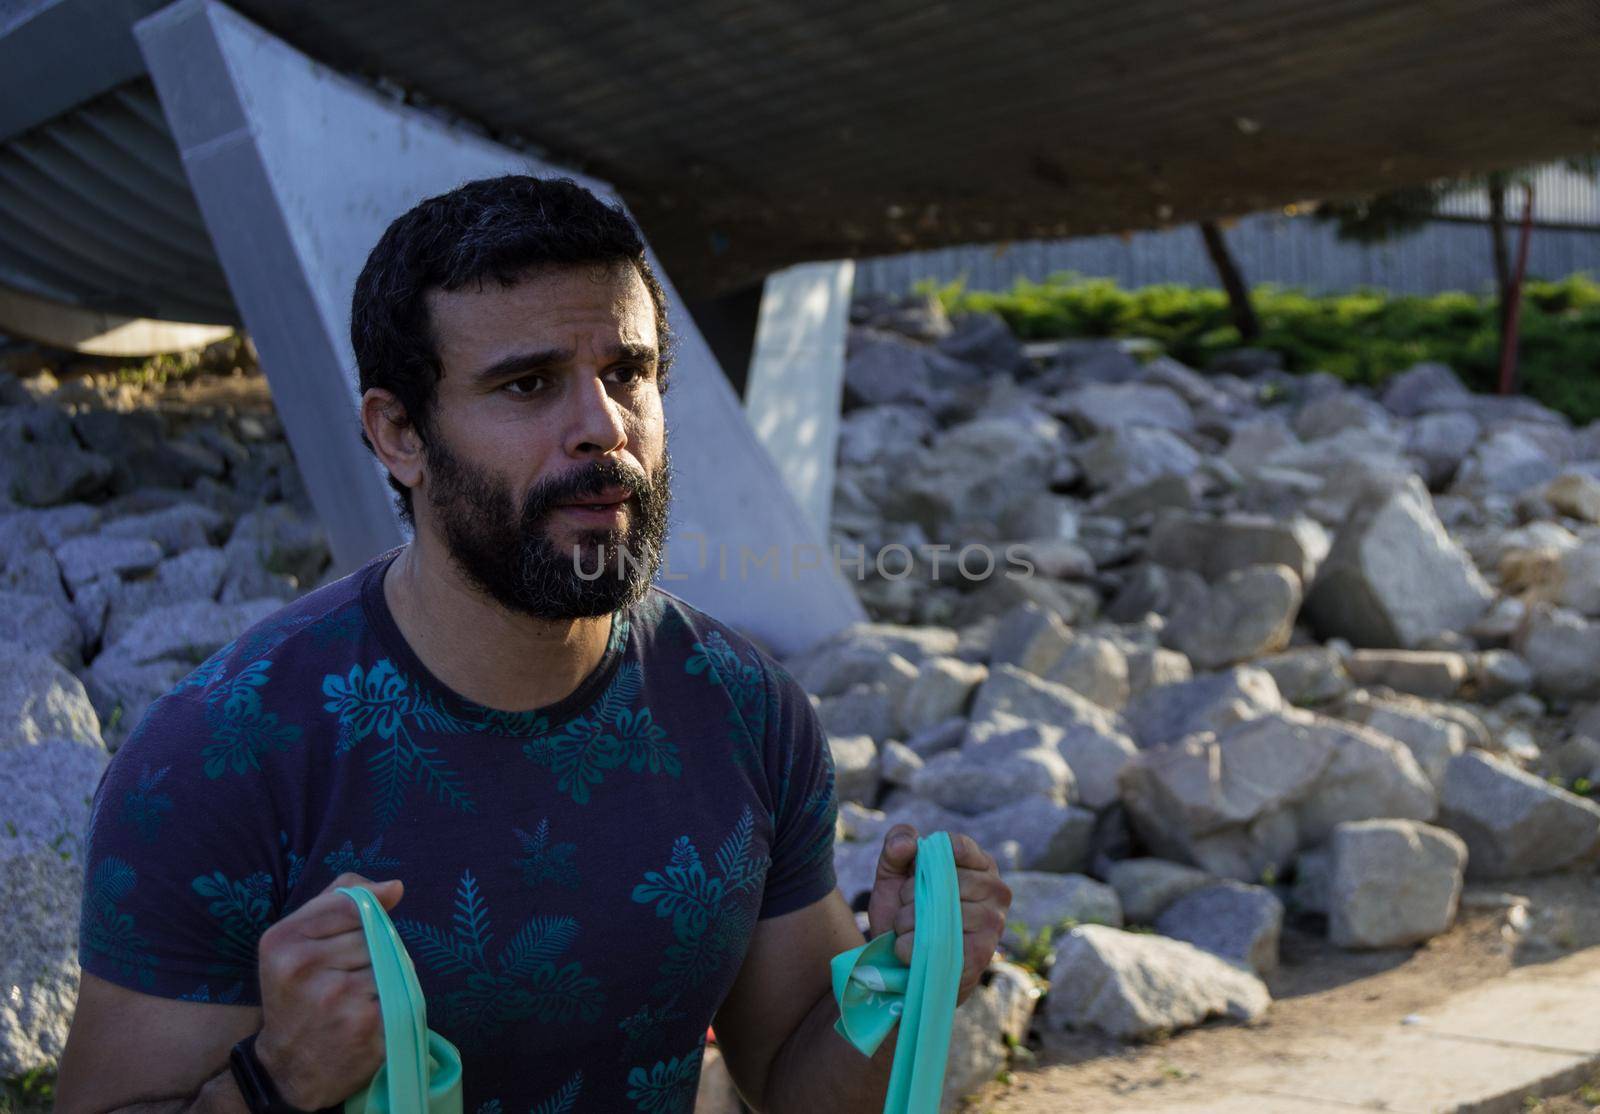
x: 133, y: 1052
x: 775, y: 1028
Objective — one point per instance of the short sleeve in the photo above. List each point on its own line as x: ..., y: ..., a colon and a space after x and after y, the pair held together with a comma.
x: 183, y: 871
x: 807, y: 805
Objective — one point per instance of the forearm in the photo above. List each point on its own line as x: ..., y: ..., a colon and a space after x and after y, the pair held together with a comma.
x: 218, y: 1095
x: 817, y: 1069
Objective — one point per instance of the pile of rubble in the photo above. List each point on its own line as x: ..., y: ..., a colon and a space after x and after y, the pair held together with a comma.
x: 1248, y: 643
x: 140, y: 531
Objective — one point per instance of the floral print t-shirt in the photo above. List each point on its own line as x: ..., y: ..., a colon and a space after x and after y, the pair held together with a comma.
x: 581, y: 880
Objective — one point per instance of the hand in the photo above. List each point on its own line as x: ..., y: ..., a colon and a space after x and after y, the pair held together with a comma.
x: 984, y: 901
x: 322, y: 1030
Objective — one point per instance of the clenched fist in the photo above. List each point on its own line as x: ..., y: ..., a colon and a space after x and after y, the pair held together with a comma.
x: 984, y: 901
x: 322, y: 1029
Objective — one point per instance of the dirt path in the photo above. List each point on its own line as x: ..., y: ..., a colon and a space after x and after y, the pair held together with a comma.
x: 1317, y: 989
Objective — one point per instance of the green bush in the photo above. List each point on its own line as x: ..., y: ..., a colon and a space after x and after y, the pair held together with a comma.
x: 1364, y: 336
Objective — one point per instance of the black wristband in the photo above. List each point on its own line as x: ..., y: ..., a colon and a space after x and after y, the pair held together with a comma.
x: 260, y: 1093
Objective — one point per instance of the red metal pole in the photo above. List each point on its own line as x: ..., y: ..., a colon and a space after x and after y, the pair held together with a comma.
x: 1508, y: 343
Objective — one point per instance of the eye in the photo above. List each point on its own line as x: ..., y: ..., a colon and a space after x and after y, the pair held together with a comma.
x: 629, y: 373
x: 526, y: 385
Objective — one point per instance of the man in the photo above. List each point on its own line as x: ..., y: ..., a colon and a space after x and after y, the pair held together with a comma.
x: 603, y: 819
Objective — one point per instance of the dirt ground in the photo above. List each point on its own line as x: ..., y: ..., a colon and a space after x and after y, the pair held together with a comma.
x: 1317, y: 986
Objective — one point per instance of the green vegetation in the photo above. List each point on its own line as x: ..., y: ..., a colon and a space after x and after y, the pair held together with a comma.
x: 33, y: 1093
x: 1362, y: 337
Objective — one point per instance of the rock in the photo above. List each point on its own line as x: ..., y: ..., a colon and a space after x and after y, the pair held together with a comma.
x: 975, y: 1053
x: 1392, y: 883
x: 1308, y: 675
x: 195, y: 574
x: 862, y: 710
x: 1576, y: 495
x: 1248, y: 613
x: 1013, y: 690
x: 968, y: 479
x: 1056, y: 901
x: 1120, y: 458
x: 1393, y: 577
x: 41, y: 463
x: 1506, y: 462
x: 176, y: 529
x: 40, y: 700
x: 1095, y: 668
x: 1313, y: 872
x: 1215, y: 547
x: 1424, y: 388
x: 1055, y: 558
x: 1134, y: 987
x: 1208, y: 703
x: 1513, y: 823
x: 1369, y: 776
x: 1165, y: 493
x: 1098, y: 407
x: 1579, y: 577
x: 88, y: 558
x: 855, y: 767
x: 942, y: 688
x: 1500, y: 673
x: 874, y: 432
x: 1333, y: 413
x: 881, y: 368
x: 1241, y: 802
x: 1018, y: 993
x: 1155, y: 666
x: 1432, y: 673
x: 946, y: 735
x: 1237, y: 922
x: 1563, y: 650
x: 838, y: 668
x: 1433, y: 742
x: 1440, y: 442
x: 970, y: 782
x: 1145, y: 887
x: 899, y: 762
x: 273, y: 542
x: 1034, y: 833
x: 49, y: 785
x: 1154, y: 590
x: 30, y: 622
x: 984, y: 340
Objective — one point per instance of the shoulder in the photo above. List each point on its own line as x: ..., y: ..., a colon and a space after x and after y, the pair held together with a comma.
x: 709, y: 647
x: 307, y: 631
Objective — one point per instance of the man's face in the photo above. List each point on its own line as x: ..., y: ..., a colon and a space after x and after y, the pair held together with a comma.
x: 547, y: 450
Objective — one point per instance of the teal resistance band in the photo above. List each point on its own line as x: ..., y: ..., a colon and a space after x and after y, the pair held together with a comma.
x: 422, y: 1071
x: 875, y: 990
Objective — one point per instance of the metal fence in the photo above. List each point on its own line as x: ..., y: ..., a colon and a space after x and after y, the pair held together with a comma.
x: 1299, y: 251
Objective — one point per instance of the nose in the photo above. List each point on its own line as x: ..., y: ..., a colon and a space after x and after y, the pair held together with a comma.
x: 595, y: 423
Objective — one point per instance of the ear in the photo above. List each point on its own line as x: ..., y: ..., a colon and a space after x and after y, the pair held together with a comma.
x: 393, y: 437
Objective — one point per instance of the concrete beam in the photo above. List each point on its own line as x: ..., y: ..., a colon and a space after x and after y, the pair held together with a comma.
x: 98, y: 334
x: 796, y: 380
x: 298, y: 171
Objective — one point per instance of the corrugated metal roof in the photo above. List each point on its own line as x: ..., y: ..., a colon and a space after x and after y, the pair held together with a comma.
x: 95, y: 211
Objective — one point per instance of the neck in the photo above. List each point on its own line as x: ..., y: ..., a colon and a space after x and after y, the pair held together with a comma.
x: 495, y: 657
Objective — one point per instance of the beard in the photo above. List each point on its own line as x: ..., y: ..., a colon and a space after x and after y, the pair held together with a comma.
x: 506, y: 549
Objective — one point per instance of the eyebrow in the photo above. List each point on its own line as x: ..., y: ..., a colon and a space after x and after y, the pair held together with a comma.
x: 522, y: 362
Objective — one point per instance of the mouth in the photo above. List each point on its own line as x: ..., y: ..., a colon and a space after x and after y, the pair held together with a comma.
x: 604, y: 502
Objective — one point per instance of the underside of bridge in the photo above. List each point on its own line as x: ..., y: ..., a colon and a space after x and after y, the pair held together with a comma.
x: 751, y: 134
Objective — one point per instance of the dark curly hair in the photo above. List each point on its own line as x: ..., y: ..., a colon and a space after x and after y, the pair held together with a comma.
x: 492, y: 228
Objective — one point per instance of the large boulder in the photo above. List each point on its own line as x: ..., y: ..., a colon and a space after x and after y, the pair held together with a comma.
x: 972, y: 780
x: 1245, y: 615
x: 1124, y: 457
x: 1041, y: 900
x: 40, y: 623
x: 1101, y: 406
x: 1513, y: 823
x: 1563, y: 650
x: 856, y: 768
x: 1392, y: 883
x: 1095, y: 667
x: 1239, y: 803
x: 1394, y: 578
x: 1239, y: 922
x: 1440, y: 442
x: 883, y: 368
x: 1507, y: 462
x: 1432, y: 741
x: 40, y: 700
x: 1167, y: 713
x: 942, y: 688
x: 1215, y: 547
x: 49, y: 784
x: 1134, y: 986
x: 974, y: 472
x: 1147, y: 886
x: 1424, y: 388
